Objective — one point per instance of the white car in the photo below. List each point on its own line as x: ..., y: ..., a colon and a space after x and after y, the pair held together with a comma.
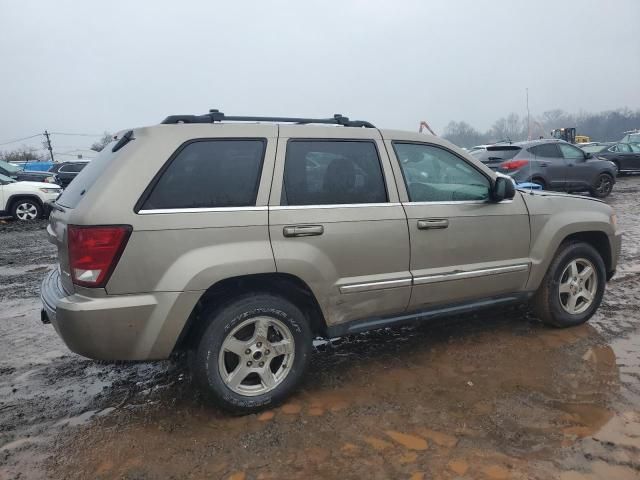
x: 26, y: 200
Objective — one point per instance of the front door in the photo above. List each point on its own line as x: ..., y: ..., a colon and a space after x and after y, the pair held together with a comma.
x: 336, y: 222
x: 579, y: 174
x: 463, y: 246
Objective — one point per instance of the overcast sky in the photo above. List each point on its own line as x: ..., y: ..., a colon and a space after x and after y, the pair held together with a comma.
x: 86, y: 66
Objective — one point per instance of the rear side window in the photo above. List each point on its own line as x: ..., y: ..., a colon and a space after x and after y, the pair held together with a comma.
x: 72, y: 167
x: 546, y: 150
x: 323, y: 172
x: 210, y: 174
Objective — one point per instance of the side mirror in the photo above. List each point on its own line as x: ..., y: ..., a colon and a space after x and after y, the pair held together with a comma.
x: 503, y: 189
x: 588, y: 155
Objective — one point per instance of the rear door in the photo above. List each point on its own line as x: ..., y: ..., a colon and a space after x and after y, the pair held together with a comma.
x: 579, y: 172
x: 336, y: 222
x: 551, y: 164
x: 463, y: 246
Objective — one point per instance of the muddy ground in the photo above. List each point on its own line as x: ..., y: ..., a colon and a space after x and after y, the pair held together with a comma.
x: 493, y: 396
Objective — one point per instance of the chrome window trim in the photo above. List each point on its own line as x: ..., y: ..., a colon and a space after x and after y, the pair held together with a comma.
x: 336, y: 205
x: 380, y: 285
x: 444, y: 277
x: 458, y: 202
x: 202, y: 210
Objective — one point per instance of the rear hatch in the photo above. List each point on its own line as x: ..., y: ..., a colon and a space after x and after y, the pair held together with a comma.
x: 63, y: 208
x: 494, y: 155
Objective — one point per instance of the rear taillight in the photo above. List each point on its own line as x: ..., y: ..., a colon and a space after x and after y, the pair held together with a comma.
x: 514, y: 164
x: 94, y: 252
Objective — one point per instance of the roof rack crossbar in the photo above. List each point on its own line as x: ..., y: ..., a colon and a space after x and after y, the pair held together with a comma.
x: 217, y: 116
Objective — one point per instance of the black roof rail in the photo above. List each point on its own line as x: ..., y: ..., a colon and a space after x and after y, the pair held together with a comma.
x: 217, y: 116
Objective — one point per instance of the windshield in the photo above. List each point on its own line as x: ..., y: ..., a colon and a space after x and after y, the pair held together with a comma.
x: 5, y: 179
x: 7, y: 167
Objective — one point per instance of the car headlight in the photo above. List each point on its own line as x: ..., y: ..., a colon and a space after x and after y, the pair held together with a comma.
x: 50, y: 190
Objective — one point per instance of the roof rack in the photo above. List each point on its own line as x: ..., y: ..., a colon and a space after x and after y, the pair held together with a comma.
x: 217, y: 116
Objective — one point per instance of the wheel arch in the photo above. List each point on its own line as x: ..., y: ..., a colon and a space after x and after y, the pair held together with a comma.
x: 224, y: 291
x: 596, y: 237
x: 23, y: 196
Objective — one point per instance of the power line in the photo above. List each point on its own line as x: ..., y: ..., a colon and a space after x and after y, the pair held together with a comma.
x: 21, y: 139
x: 79, y: 134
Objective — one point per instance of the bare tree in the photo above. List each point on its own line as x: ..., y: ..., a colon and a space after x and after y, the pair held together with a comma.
x: 23, y: 154
x: 103, y: 142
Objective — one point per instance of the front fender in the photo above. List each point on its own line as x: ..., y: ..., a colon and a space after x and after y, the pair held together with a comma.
x: 550, y: 230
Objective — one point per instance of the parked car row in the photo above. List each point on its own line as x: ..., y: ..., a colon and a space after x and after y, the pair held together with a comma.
x: 552, y: 164
x: 60, y: 173
x: 24, y: 194
x: 625, y: 156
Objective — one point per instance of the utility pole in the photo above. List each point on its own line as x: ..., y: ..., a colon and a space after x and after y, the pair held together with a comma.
x: 46, y: 134
x: 528, y: 119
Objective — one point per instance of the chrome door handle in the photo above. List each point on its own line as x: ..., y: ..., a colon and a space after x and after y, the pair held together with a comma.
x: 432, y: 223
x: 303, y: 230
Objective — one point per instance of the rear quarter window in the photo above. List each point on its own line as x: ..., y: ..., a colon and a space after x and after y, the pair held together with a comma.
x: 209, y: 174
x: 86, y: 178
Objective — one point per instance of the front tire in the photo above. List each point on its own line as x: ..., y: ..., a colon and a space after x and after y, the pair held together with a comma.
x: 26, y: 209
x: 573, y: 287
x: 603, y: 186
x: 253, y: 353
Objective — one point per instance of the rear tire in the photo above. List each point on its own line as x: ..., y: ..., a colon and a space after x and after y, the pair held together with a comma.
x: 552, y: 303
x: 603, y: 186
x: 253, y: 353
x: 26, y: 209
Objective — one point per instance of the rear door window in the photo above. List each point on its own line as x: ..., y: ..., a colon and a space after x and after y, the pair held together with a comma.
x: 328, y: 172
x: 209, y: 174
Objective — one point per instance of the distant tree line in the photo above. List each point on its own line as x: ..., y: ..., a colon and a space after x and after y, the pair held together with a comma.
x: 23, y: 154
x: 604, y: 126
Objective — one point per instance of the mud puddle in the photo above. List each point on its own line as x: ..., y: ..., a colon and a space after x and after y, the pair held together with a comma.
x: 489, y: 396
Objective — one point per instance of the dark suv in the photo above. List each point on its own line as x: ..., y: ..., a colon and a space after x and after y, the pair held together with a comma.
x: 67, y: 171
x: 553, y: 164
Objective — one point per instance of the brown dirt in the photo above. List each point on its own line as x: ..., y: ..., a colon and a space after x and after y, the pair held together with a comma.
x: 494, y: 395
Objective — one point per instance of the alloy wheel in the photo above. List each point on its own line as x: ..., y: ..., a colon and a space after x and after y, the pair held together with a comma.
x: 26, y: 211
x: 578, y: 286
x: 256, y: 356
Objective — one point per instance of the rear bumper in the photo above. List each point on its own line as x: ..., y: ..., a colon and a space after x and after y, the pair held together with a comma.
x: 116, y: 327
